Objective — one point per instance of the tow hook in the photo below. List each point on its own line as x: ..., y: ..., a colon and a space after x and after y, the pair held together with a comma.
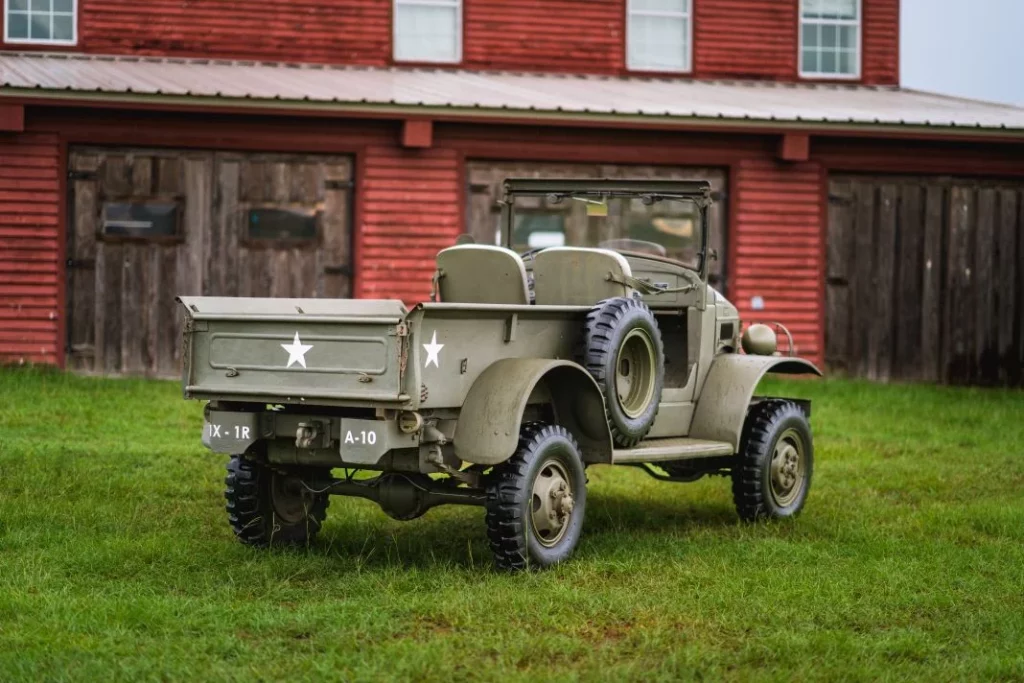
x: 306, y: 434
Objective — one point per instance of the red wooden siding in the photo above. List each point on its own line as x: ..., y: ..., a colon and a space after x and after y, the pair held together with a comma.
x: 731, y: 38
x: 777, y: 241
x: 30, y: 268
x: 412, y: 204
x: 584, y: 36
x: 345, y: 32
x: 880, y: 62
x: 745, y: 39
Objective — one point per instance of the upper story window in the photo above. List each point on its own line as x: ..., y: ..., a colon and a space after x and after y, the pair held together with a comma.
x: 428, y: 30
x: 658, y: 35
x: 44, y: 22
x: 830, y: 38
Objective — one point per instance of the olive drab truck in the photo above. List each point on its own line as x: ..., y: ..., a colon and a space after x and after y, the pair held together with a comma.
x: 601, y: 344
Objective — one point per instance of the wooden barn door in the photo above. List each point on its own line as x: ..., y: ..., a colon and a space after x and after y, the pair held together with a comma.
x: 147, y: 226
x: 924, y: 279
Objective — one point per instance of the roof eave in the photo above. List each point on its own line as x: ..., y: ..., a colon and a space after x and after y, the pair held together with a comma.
x: 503, y: 115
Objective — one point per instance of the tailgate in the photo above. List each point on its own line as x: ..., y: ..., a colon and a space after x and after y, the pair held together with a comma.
x: 294, y: 350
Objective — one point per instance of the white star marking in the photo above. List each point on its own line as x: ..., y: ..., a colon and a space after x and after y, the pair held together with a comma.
x: 433, y: 348
x: 296, y: 352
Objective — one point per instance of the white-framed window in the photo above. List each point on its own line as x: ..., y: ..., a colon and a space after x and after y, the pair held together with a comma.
x: 659, y: 35
x: 427, y: 31
x: 830, y: 38
x: 42, y: 22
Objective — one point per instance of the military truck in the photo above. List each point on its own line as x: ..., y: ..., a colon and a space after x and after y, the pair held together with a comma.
x: 600, y: 343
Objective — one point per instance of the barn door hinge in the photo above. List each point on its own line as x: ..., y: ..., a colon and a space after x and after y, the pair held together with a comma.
x: 719, y: 196
x: 80, y: 263
x: 330, y: 184
x: 81, y: 175
x: 839, y: 199
x: 338, y: 270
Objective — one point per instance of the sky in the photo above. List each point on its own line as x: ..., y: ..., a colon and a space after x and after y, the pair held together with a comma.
x: 970, y: 49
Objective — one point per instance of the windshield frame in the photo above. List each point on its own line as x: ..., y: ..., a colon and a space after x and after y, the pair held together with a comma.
x: 698, y: 192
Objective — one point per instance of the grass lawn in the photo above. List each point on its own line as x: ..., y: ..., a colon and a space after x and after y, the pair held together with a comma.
x: 116, y: 560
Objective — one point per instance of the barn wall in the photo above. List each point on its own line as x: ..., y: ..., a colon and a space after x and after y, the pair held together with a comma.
x: 30, y: 268
x: 349, y: 32
x: 585, y: 36
x: 745, y: 39
x: 880, y: 40
x: 731, y: 38
x: 776, y: 248
x: 412, y: 206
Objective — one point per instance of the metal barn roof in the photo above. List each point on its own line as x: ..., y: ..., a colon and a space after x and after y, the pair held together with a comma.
x: 456, y: 94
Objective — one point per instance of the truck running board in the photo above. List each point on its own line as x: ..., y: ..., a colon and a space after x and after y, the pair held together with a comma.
x: 660, y: 450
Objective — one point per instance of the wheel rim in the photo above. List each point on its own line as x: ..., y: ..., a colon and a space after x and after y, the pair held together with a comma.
x: 290, y: 499
x: 788, y: 470
x: 634, y: 372
x: 551, y: 503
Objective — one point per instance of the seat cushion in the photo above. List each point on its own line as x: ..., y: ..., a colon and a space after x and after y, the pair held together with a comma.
x: 578, y: 276
x: 481, y: 274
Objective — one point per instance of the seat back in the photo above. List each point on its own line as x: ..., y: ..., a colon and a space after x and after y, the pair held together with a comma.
x: 577, y: 276
x: 481, y: 274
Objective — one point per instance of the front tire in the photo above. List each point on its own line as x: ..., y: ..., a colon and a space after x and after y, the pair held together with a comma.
x: 266, y: 507
x: 772, y: 473
x: 536, y: 500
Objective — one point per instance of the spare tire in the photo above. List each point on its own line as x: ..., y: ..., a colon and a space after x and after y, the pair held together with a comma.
x: 623, y: 351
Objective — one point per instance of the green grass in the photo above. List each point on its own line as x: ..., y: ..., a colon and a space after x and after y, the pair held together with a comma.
x: 116, y: 561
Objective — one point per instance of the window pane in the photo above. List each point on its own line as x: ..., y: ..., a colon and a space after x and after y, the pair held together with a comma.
x: 41, y: 5
x: 812, y: 36
x: 282, y: 224
x: 828, y: 62
x: 17, y: 25
x: 141, y: 219
x: 40, y: 27
x: 63, y: 27
x: 18, y: 5
x: 809, y: 63
x: 659, y: 5
x: 657, y: 43
x: 830, y: 9
x: 848, y: 36
x: 63, y: 5
x: 847, y: 62
x: 425, y: 33
x: 829, y: 36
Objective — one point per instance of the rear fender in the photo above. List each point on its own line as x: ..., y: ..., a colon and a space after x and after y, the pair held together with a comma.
x: 488, y: 428
x: 728, y: 389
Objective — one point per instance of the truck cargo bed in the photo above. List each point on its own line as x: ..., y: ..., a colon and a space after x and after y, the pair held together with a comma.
x: 331, y: 351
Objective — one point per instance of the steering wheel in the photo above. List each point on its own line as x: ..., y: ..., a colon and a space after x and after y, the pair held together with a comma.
x: 530, y: 253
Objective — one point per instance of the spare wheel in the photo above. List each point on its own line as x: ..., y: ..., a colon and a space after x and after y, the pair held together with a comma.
x: 622, y: 349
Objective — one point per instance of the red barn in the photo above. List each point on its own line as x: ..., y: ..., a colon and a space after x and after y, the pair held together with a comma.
x: 331, y: 147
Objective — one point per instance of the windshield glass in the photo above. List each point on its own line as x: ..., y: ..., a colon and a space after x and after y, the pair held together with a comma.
x: 659, y: 226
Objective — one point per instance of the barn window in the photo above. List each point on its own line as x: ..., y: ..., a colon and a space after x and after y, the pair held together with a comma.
x: 47, y: 22
x: 287, y: 225
x: 428, y: 30
x: 830, y: 38
x: 658, y: 35
x: 141, y: 220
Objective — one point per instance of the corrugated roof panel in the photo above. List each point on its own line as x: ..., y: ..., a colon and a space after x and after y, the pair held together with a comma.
x: 472, y: 92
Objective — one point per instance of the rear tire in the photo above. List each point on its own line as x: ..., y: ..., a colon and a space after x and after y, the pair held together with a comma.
x: 536, y: 500
x: 266, y: 507
x: 623, y: 351
x: 773, y: 469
